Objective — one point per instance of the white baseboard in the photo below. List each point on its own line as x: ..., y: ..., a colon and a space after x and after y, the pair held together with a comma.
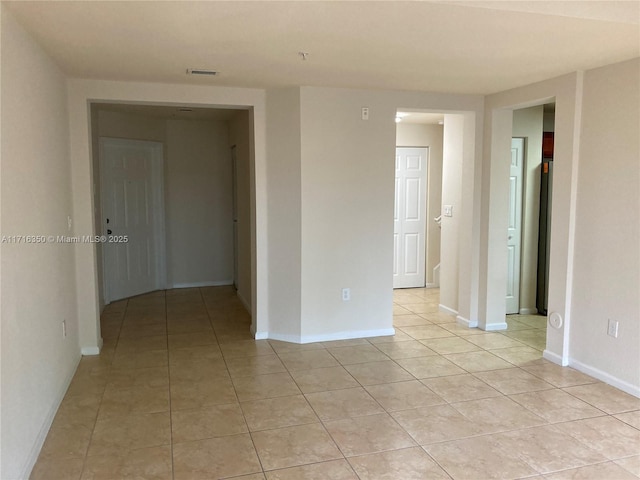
x: 605, y: 377
x: 44, y: 430
x: 383, y: 332
x: 217, y: 283
x: 528, y: 311
x: 94, y: 350
x: 465, y: 322
x: 432, y: 285
x: 555, y: 358
x: 284, y: 337
x: 261, y: 335
x: 445, y: 309
x: 492, y: 327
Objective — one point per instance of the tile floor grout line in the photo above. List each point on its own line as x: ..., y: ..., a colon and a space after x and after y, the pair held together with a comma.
x: 244, y: 417
x: 95, y: 423
x: 166, y: 322
x: 233, y: 327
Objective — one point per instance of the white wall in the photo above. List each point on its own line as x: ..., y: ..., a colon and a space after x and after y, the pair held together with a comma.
x: 419, y: 135
x: 38, y: 280
x: 452, y: 164
x: 198, y: 202
x: 284, y: 185
x: 527, y: 123
x: 347, y: 199
x: 320, y: 151
x: 607, y: 253
x: 131, y: 125
x: 347, y: 213
x: 240, y: 136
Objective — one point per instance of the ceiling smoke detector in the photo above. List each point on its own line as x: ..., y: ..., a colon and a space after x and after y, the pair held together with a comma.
x: 201, y: 71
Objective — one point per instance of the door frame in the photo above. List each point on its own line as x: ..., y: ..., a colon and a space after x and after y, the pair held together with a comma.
x: 566, y: 91
x: 83, y: 94
x: 157, y: 175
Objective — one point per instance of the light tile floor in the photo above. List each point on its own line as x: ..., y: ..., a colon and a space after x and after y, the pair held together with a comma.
x: 181, y: 391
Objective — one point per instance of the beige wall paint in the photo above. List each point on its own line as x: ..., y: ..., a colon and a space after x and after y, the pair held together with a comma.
x: 131, y: 126
x: 452, y: 164
x: 38, y: 280
x: 607, y: 254
x: 240, y: 136
x: 347, y: 213
x: 470, y: 221
x: 340, y: 169
x: 347, y: 193
x: 596, y: 111
x: 417, y: 135
x: 285, y: 210
x: 527, y: 123
x: 198, y: 203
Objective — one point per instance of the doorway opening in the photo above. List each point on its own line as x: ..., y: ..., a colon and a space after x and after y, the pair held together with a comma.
x: 418, y: 192
x: 205, y: 184
x: 452, y: 212
x: 529, y: 232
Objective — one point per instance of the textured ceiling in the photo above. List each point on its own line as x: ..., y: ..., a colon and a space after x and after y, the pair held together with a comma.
x: 460, y: 47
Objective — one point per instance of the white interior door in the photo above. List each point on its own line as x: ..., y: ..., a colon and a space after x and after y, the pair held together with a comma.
x: 514, y: 233
x: 409, y: 226
x: 133, y: 217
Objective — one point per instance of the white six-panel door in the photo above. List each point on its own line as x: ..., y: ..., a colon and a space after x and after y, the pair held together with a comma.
x: 409, y: 226
x: 133, y: 217
x: 514, y: 232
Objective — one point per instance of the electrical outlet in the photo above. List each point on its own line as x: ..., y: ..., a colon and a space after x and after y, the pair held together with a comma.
x: 69, y: 223
x: 612, y: 328
x: 346, y: 294
x: 64, y: 329
x: 365, y: 113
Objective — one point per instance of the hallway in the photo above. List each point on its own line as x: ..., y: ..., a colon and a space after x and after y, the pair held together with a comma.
x: 181, y: 391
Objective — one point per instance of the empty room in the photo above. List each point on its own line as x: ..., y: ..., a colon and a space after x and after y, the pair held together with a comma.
x: 348, y: 240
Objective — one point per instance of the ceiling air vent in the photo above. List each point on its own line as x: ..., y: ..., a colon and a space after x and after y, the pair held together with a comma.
x: 201, y: 71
